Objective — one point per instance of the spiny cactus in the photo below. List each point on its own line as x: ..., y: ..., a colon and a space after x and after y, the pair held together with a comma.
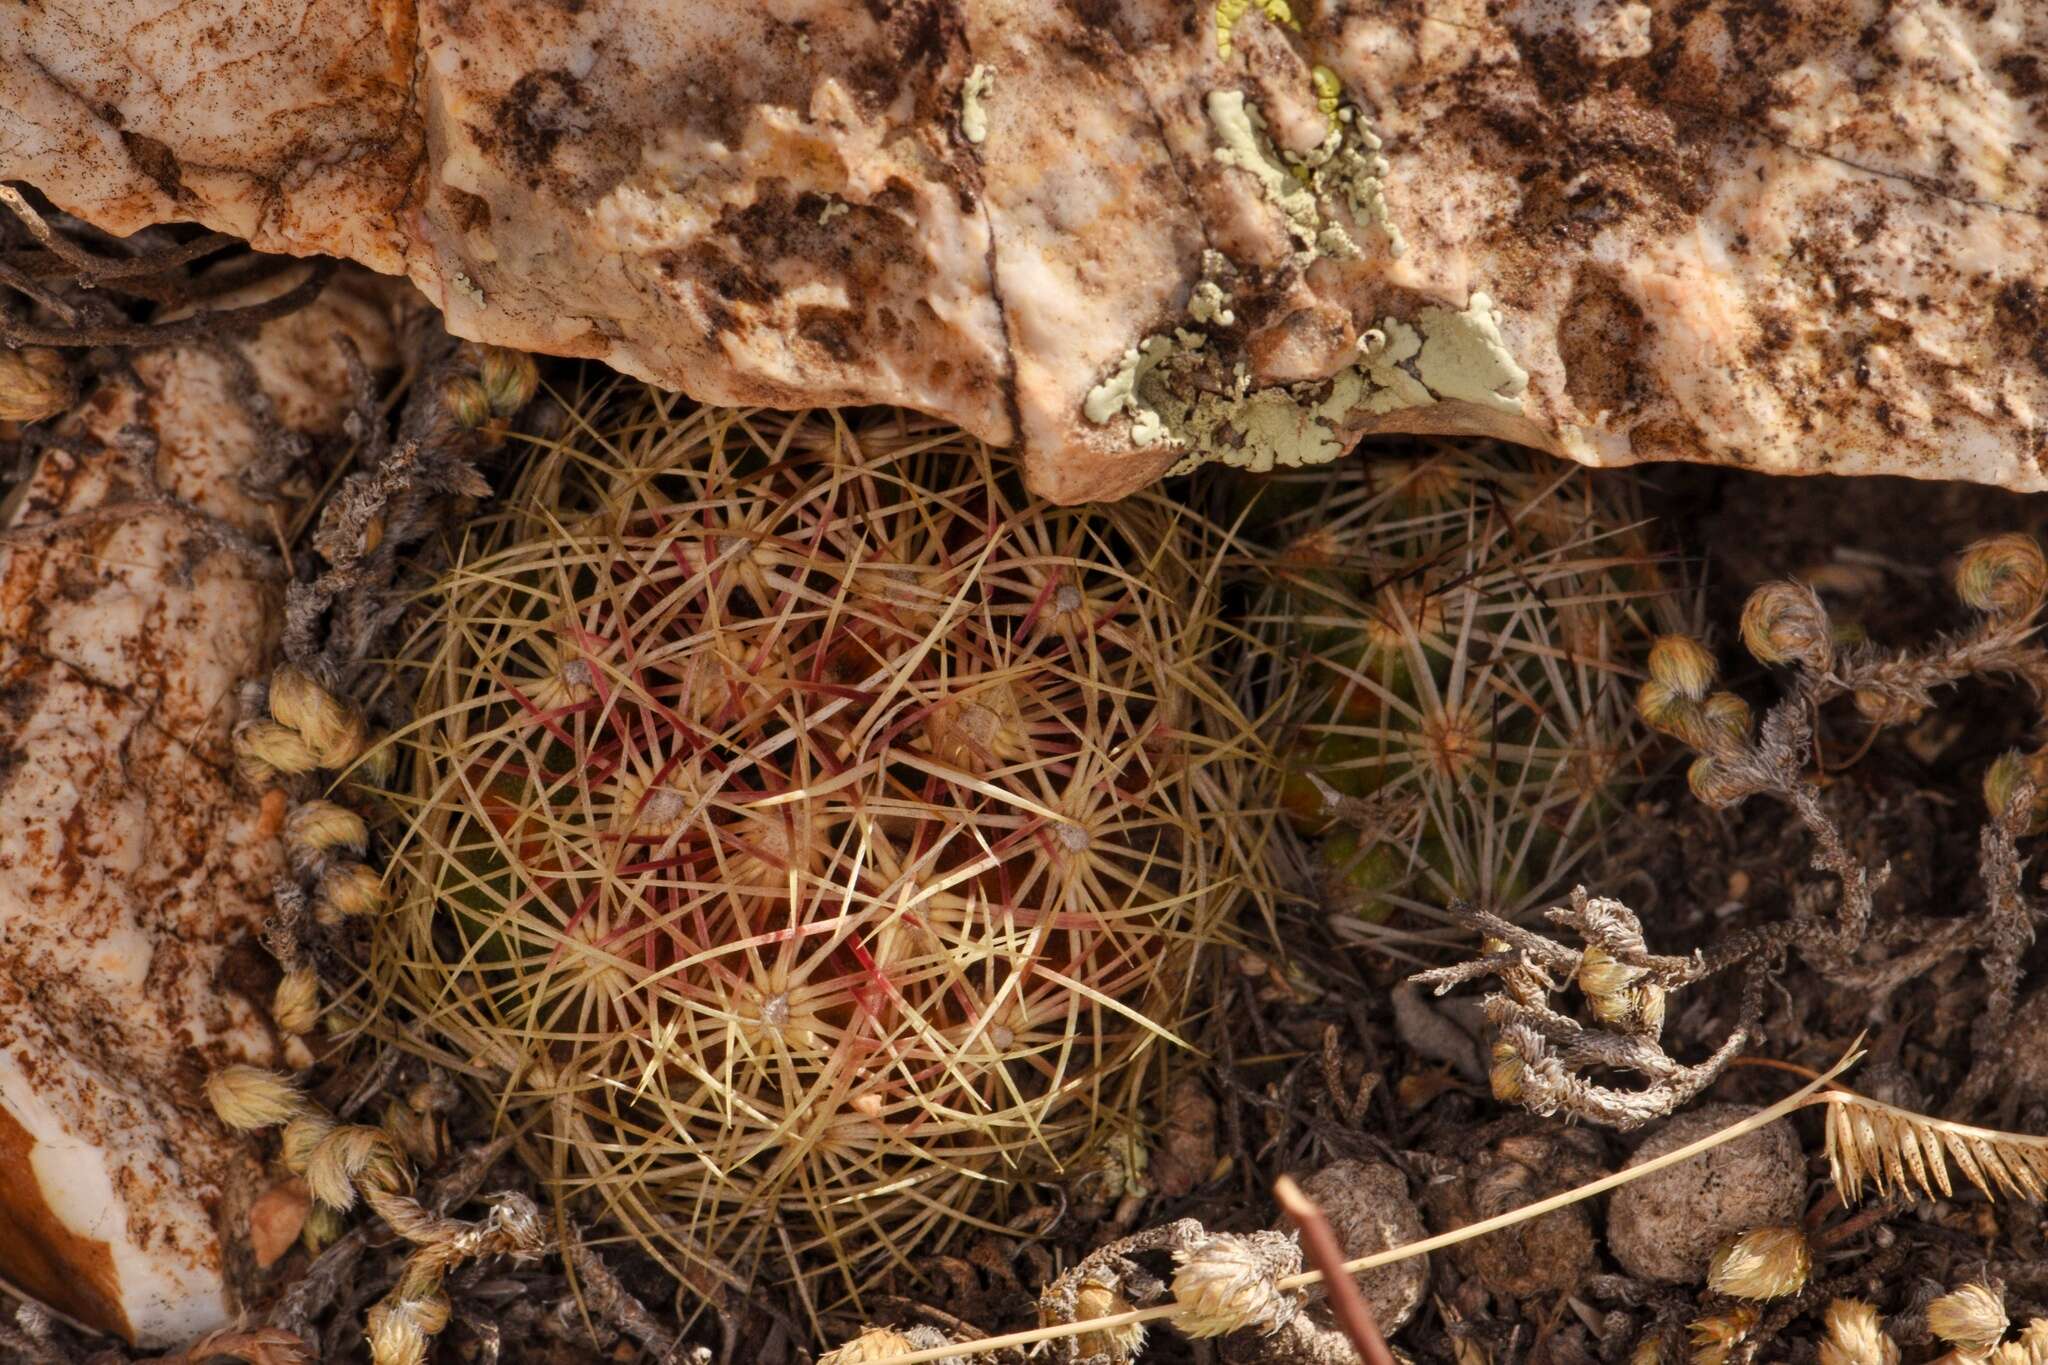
x: 806, y: 831
x: 1449, y: 641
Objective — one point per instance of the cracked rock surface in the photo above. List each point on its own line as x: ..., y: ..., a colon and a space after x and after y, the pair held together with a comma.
x: 1803, y: 238
x: 134, y: 877
x: 1797, y: 238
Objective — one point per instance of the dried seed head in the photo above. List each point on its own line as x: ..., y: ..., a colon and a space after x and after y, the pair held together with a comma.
x: 334, y: 729
x: 1507, y: 1071
x: 2003, y: 576
x: 296, y: 1003
x: 317, y: 828
x: 1664, y: 710
x: 352, y: 1156
x: 35, y: 383
x: 1854, y: 1337
x: 1618, y: 995
x: 1648, y: 1351
x: 349, y: 889
x: 395, y: 1339
x: 1784, y: 623
x: 1882, y: 707
x: 1601, y: 974
x: 467, y: 401
x: 301, y: 1136
x: 1714, y: 784
x: 1715, y: 1337
x: 1972, y: 1317
x: 1727, y: 721
x: 376, y: 766
x: 873, y: 1343
x: 1227, y: 1281
x: 1097, y: 1298
x: 1682, y: 664
x: 249, y: 1097
x: 509, y: 379
x: 2002, y: 782
x: 264, y: 748
x: 1766, y: 1263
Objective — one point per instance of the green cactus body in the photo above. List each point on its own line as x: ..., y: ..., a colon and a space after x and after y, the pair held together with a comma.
x: 1455, y: 641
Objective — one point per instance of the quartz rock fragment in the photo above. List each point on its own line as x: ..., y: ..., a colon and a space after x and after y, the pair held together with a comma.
x: 1816, y: 245
x: 133, y: 876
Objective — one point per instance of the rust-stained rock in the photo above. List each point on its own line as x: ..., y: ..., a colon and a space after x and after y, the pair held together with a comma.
x: 1799, y: 238
x: 133, y: 876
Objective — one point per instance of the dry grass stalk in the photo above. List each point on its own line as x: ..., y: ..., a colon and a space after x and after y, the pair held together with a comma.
x: 817, y: 831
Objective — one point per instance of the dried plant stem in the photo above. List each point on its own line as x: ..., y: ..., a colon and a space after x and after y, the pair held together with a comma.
x: 1347, y: 1305
x: 1811, y: 1093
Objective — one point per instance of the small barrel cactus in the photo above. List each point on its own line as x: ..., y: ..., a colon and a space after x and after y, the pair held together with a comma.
x: 807, y: 832
x: 1450, y: 649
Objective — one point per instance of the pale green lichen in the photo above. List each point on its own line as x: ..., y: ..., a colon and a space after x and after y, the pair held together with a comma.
x: 833, y: 208
x: 465, y: 286
x: 973, y: 117
x: 1463, y: 356
x: 1242, y: 142
x: 1329, y: 93
x: 1119, y: 392
x: 1230, y: 13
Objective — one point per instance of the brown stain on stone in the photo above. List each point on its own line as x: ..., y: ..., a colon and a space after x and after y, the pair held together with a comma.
x: 41, y: 1256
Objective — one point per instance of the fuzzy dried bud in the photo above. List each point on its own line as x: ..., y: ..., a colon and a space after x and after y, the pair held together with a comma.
x: 1667, y: 712
x: 1097, y: 1299
x: 317, y: 828
x: 295, y: 1005
x: 1854, y: 1337
x: 301, y: 1137
x: 35, y: 383
x: 395, y: 1339
x: 1881, y: 707
x: 2002, y: 782
x: 873, y: 1343
x: 2003, y: 576
x: 1784, y: 623
x: 1648, y: 1351
x: 249, y: 1097
x: 1972, y: 1317
x: 333, y: 729
x: 1764, y: 1263
x: 1682, y: 664
x: 376, y: 766
x: 1507, y: 1071
x: 467, y: 401
x: 1715, y: 1337
x: 352, y: 1156
x: 509, y: 379
x: 350, y: 889
x: 1713, y: 784
x: 264, y: 748
x: 1227, y: 1282
x: 1727, y: 721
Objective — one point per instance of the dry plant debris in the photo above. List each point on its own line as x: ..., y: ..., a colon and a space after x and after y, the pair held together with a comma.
x: 806, y: 830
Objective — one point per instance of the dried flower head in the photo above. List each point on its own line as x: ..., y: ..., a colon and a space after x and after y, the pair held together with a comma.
x: 332, y: 727
x: 2029, y: 1348
x: 1664, y: 709
x: 509, y: 379
x: 1648, y: 1351
x: 467, y: 400
x: 315, y: 829
x: 35, y: 383
x: 264, y: 748
x: 862, y: 867
x: 1506, y: 1073
x: 1716, y: 1335
x: 1784, y: 622
x: 873, y: 1344
x: 250, y: 1097
x: 1714, y: 782
x: 1099, y: 1298
x: 2004, y: 576
x: 1228, y: 1281
x: 2002, y: 783
x: 349, y: 889
x: 1682, y: 664
x: 1765, y: 1263
x: 1972, y: 1317
x: 1727, y: 718
x: 295, y: 1005
x: 1854, y: 1336
x: 301, y: 1137
x: 395, y: 1337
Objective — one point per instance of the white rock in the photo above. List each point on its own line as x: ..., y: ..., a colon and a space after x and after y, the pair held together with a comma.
x: 132, y: 872
x: 1810, y: 245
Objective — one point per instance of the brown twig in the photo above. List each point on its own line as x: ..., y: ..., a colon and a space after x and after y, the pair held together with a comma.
x: 210, y: 323
x: 1347, y: 1305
